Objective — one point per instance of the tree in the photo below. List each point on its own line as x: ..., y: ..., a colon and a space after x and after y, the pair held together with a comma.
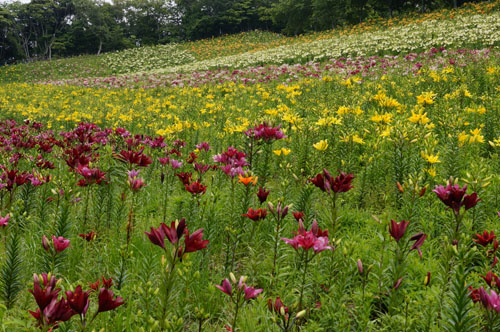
x: 98, y: 21
x: 46, y: 19
x: 9, y: 44
x: 294, y: 15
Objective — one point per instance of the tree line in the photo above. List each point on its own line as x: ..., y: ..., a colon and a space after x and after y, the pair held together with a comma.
x: 42, y: 29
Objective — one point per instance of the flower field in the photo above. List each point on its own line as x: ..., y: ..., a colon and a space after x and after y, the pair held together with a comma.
x: 341, y: 181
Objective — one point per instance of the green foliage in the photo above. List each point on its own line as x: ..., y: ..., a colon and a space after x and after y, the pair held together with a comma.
x: 11, y: 273
x: 458, y: 315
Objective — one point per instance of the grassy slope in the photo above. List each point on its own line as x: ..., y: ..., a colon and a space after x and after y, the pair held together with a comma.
x: 105, y: 65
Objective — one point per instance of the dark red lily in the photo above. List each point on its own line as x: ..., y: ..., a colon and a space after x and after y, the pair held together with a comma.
x: 58, y: 311
x: 255, y: 215
x: 485, y: 239
x: 157, y: 236
x: 454, y: 197
x: 196, y: 188
x: 194, y: 242
x: 490, y: 278
x: 89, y: 236
x: 474, y: 294
x: 134, y: 157
x: 298, y: 215
x: 339, y: 184
x: 175, y: 231
x: 419, y: 240
x: 43, y: 296
x: 107, y: 283
x: 185, y: 177
x: 262, y: 194
x: 78, y: 300
x: 397, y: 230
x: 106, y: 301
x: 276, y: 306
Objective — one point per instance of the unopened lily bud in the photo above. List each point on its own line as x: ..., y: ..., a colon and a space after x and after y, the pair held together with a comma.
x: 300, y: 314
x: 271, y: 207
x: 422, y: 192
x: 284, y: 212
x: 270, y: 304
x: 427, y: 279
x: 400, y: 187
x: 398, y: 283
x: 360, y: 266
x: 282, y: 311
x: 45, y: 243
x: 233, y: 278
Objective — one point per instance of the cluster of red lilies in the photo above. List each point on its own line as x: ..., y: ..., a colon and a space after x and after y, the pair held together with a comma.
x: 53, y: 310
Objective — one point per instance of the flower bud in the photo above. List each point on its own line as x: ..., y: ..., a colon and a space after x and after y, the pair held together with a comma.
x: 398, y: 283
x: 284, y: 212
x: 45, y: 243
x: 300, y: 314
x: 270, y: 304
x: 233, y: 278
x: 270, y: 206
x: 427, y: 279
x: 360, y: 266
x: 400, y: 187
x: 278, y: 209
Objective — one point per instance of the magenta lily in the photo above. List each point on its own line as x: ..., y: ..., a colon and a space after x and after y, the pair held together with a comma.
x: 60, y: 243
x: 226, y: 287
x: 4, y: 221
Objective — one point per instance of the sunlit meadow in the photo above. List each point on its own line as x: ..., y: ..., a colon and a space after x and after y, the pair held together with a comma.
x: 340, y: 181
